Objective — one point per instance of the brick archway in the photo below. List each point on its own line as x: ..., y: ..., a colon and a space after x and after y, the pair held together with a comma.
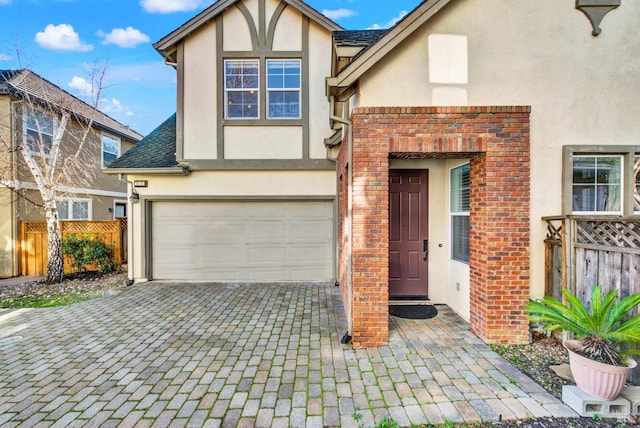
x: 496, y: 139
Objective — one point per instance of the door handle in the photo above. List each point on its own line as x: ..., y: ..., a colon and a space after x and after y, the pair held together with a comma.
x: 425, y: 248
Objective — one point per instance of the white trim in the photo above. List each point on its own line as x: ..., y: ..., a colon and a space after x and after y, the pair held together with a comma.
x: 63, y: 189
x: 451, y: 214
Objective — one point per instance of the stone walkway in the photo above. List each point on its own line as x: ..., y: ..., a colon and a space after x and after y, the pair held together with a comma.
x: 246, y: 355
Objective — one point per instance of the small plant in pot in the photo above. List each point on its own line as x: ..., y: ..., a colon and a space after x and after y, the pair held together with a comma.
x: 598, y: 364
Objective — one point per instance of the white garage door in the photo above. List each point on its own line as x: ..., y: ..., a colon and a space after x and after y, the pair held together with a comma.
x: 242, y: 241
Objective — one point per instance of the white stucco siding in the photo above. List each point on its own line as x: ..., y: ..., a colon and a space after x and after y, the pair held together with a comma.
x: 582, y: 89
x: 235, y: 30
x: 262, y: 142
x: 199, y: 98
x: 319, y: 68
x: 288, y: 31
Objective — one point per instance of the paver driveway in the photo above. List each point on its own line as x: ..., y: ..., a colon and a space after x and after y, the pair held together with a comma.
x: 246, y: 355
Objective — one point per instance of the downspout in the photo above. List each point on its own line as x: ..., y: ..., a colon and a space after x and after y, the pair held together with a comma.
x: 16, y: 259
x: 130, y: 263
x: 347, y: 337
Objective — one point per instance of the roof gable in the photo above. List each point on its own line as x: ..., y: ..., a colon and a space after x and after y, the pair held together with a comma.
x: 168, y: 42
x: 24, y: 82
x: 373, y: 53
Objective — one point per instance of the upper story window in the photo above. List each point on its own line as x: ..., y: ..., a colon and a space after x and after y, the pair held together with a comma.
x: 283, y: 89
x: 38, y: 131
x: 636, y: 189
x: 597, y: 184
x: 110, y: 149
x: 241, y: 89
x: 74, y: 209
x: 459, y: 211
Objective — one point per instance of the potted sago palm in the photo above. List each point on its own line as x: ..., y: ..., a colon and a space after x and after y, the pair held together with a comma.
x: 598, y: 363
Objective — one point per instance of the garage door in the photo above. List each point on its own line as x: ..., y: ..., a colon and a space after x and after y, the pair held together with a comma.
x: 242, y: 241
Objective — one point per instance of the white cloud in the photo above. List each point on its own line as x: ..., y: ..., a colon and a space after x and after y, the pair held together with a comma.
x: 114, y: 107
x: 389, y: 24
x: 5, y: 1
x: 125, y: 38
x: 5, y: 57
x: 84, y: 88
x: 61, y: 38
x: 339, y: 13
x: 170, y: 6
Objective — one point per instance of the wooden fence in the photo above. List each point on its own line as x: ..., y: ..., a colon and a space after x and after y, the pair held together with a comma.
x: 582, y: 252
x: 33, y: 241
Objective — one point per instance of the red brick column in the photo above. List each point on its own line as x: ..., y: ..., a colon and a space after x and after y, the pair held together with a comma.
x: 496, y: 139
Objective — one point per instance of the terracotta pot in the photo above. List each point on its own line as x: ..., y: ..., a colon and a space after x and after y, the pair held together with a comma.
x: 599, y: 380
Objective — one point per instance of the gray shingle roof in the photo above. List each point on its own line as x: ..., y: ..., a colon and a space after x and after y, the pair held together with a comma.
x: 24, y: 82
x: 156, y: 150
x: 357, y: 37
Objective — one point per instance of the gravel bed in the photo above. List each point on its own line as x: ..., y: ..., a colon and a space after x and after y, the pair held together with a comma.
x: 533, y: 359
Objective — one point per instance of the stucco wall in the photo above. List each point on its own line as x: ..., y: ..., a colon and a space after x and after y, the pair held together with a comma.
x: 582, y: 89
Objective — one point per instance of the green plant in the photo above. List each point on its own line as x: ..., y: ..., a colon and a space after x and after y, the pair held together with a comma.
x: 602, y: 329
x: 387, y: 423
x: 83, y: 251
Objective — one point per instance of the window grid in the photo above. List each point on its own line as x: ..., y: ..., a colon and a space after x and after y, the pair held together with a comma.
x: 74, y: 209
x: 110, y: 149
x: 283, y: 89
x: 597, y: 184
x: 38, y: 125
x: 459, y: 211
x: 242, y: 83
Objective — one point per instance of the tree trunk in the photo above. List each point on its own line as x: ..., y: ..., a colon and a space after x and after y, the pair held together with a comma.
x: 55, y: 266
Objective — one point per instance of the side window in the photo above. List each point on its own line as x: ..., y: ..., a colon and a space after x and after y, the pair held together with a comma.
x: 636, y: 189
x: 283, y: 89
x: 110, y: 149
x: 74, y: 209
x: 241, y: 89
x: 597, y: 184
x: 38, y: 131
x: 120, y: 209
x: 459, y: 211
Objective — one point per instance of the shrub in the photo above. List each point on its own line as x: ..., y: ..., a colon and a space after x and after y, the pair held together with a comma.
x: 83, y: 251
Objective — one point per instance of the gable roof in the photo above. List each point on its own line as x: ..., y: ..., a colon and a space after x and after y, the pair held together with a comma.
x: 165, y: 45
x: 373, y: 53
x: 24, y: 82
x: 156, y: 153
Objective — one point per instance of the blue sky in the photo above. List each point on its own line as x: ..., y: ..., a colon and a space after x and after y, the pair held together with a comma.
x: 64, y: 40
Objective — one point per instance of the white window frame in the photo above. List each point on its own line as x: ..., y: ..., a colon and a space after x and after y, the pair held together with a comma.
x: 117, y: 202
x: 453, y: 213
x: 228, y: 90
x: 102, y: 146
x: 70, y: 208
x: 28, y: 111
x: 297, y: 89
x: 620, y: 185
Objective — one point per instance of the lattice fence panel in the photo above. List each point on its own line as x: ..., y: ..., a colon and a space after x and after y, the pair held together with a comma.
x: 624, y: 234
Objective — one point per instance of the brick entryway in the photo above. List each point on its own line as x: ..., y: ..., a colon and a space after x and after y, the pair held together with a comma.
x: 496, y: 141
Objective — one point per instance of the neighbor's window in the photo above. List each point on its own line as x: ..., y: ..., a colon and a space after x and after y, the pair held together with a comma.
x: 110, y: 149
x: 597, y: 184
x: 283, y: 89
x: 636, y: 190
x: 241, y: 89
x: 39, y: 128
x: 459, y: 209
x: 74, y: 209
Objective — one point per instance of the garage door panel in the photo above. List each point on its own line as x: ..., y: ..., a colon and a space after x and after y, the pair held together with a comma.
x: 243, y: 241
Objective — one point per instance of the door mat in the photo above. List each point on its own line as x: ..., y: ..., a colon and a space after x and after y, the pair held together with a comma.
x: 415, y: 312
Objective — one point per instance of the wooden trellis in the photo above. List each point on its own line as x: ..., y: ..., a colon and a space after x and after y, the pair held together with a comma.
x: 33, y: 241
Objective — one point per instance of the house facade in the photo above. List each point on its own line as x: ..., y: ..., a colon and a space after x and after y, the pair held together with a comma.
x: 29, y: 109
x: 434, y: 149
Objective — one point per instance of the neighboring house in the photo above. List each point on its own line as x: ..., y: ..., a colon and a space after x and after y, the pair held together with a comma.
x: 448, y: 138
x: 103, y: 197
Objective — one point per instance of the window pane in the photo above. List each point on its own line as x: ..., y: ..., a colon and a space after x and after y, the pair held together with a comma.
x: 284, y: 104
x: 34, y: 136
x: 597, y: 183
x: 460, y: 182
x: 636, y: 193
x: 242, y: 80
x: 460, y: 238
x: 121, y: 210
x: 283, y: 83
x: 80, y: 210
x: 63, y: 209
x: 110, y: 150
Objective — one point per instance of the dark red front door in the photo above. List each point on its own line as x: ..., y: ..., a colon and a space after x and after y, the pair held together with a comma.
x: 408, y: 233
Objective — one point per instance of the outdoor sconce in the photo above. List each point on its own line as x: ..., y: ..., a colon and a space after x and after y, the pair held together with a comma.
x: 134, y: 198
x: 110, y: 210
x: 596, y: 10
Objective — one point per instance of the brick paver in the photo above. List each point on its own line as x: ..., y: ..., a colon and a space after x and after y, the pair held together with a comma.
x: 167, y: 354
